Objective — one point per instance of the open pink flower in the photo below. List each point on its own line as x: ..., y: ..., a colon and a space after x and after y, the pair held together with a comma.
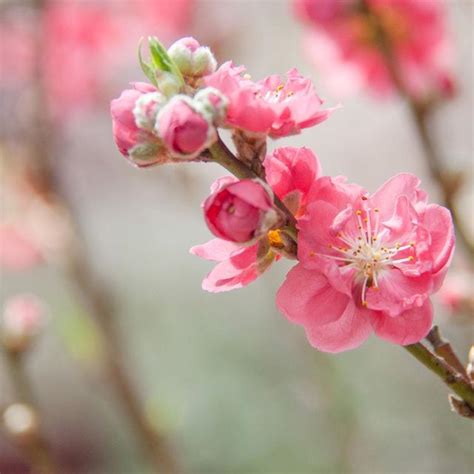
x: 343, y: 42
x: 272, y: 106
x: 290, y: 172
x: 240, y: 210
x: 367, y: 263
x: 138, y: 144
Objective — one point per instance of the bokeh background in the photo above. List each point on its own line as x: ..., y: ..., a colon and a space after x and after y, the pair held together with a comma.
x: 235, y: 386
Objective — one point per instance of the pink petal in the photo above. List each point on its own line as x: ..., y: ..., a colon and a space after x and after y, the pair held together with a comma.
x: 407, y: 328
x: 397, y: 292
x: 331, y: 320
x: 236, y: 272
x: 215, y: 249
x: 439, y: 223
x: 403, y: 184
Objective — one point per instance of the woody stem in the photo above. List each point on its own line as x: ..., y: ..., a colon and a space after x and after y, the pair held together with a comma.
x: 455, y: 381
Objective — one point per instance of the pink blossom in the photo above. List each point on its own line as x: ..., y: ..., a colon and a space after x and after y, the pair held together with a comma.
x: 290, y: 172
x: 23, y: 317
x: 368, y: 263
x: 272, y: 106
x: 240, y: 210
x: 343, y: 42
x: 184, y: 129
x: 138, y: 145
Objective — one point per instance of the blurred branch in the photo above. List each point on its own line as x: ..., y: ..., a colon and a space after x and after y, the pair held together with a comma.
x: 25, y: 429
x: 94, y: 295
x: 448, y: 182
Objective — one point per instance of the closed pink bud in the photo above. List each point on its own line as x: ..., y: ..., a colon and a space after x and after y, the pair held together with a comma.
x: 184, y: 129
x: 240, y: 211
x: 23, y: 318
x: 135, y: 142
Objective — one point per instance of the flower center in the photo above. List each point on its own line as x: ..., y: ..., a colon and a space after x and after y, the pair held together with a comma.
x: 365, y: 251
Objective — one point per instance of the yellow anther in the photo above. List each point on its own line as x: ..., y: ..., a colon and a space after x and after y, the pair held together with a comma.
x: 358, y: 212
x: 274, y: 238
x: 366, y: 220
x: 279, y: 88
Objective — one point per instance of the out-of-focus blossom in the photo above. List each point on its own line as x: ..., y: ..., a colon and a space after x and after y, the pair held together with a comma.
x: 290, y: 172
x: 457, y: 292
x: 184, y: 129
x: 344, y: 43
x: 22, y: 319
x: 273, y: 106
x: 240, y: 210
x: 81, y: 43
x: 32, y: 226
x: 192, y: 59
x: 135, y: 107
x: 367, y: 263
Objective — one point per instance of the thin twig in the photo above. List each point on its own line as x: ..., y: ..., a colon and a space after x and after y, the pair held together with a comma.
x: 443, y: 348
x: 33, y: 443
x: 444, y: 371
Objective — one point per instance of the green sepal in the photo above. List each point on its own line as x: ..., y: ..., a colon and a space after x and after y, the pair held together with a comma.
x: 160, y: 62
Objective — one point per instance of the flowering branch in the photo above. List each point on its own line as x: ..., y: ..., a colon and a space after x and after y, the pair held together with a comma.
x: 21, y: 419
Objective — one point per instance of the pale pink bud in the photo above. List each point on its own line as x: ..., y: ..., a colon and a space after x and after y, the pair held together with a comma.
x: 241, y: 211
x: 213, y: 103
x: 23, y: 317
x: 191, y: 58
x: 135, y: 142
x: 184, y: 129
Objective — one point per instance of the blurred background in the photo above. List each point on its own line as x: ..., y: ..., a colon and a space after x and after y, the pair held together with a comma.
x: 235, y: 387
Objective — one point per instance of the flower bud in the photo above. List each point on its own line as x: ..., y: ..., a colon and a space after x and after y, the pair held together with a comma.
x: 212, y: 102
x: 183, y: 128
x: 192, y: 59
x: 131, y: 123
x: 23, y: 318
x: 146, y: 109
x: 240, y: 211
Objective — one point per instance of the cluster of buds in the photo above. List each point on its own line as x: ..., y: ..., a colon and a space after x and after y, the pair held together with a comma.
x: 171, y: 119
x: 367, y: 262
x: 23, y: 318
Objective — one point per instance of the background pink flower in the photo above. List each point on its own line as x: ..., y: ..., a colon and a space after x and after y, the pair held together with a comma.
x: 343, y: 44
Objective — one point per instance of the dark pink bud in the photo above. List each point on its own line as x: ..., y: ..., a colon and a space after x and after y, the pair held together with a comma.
x: 184, y: 130
x: 240, y: 211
